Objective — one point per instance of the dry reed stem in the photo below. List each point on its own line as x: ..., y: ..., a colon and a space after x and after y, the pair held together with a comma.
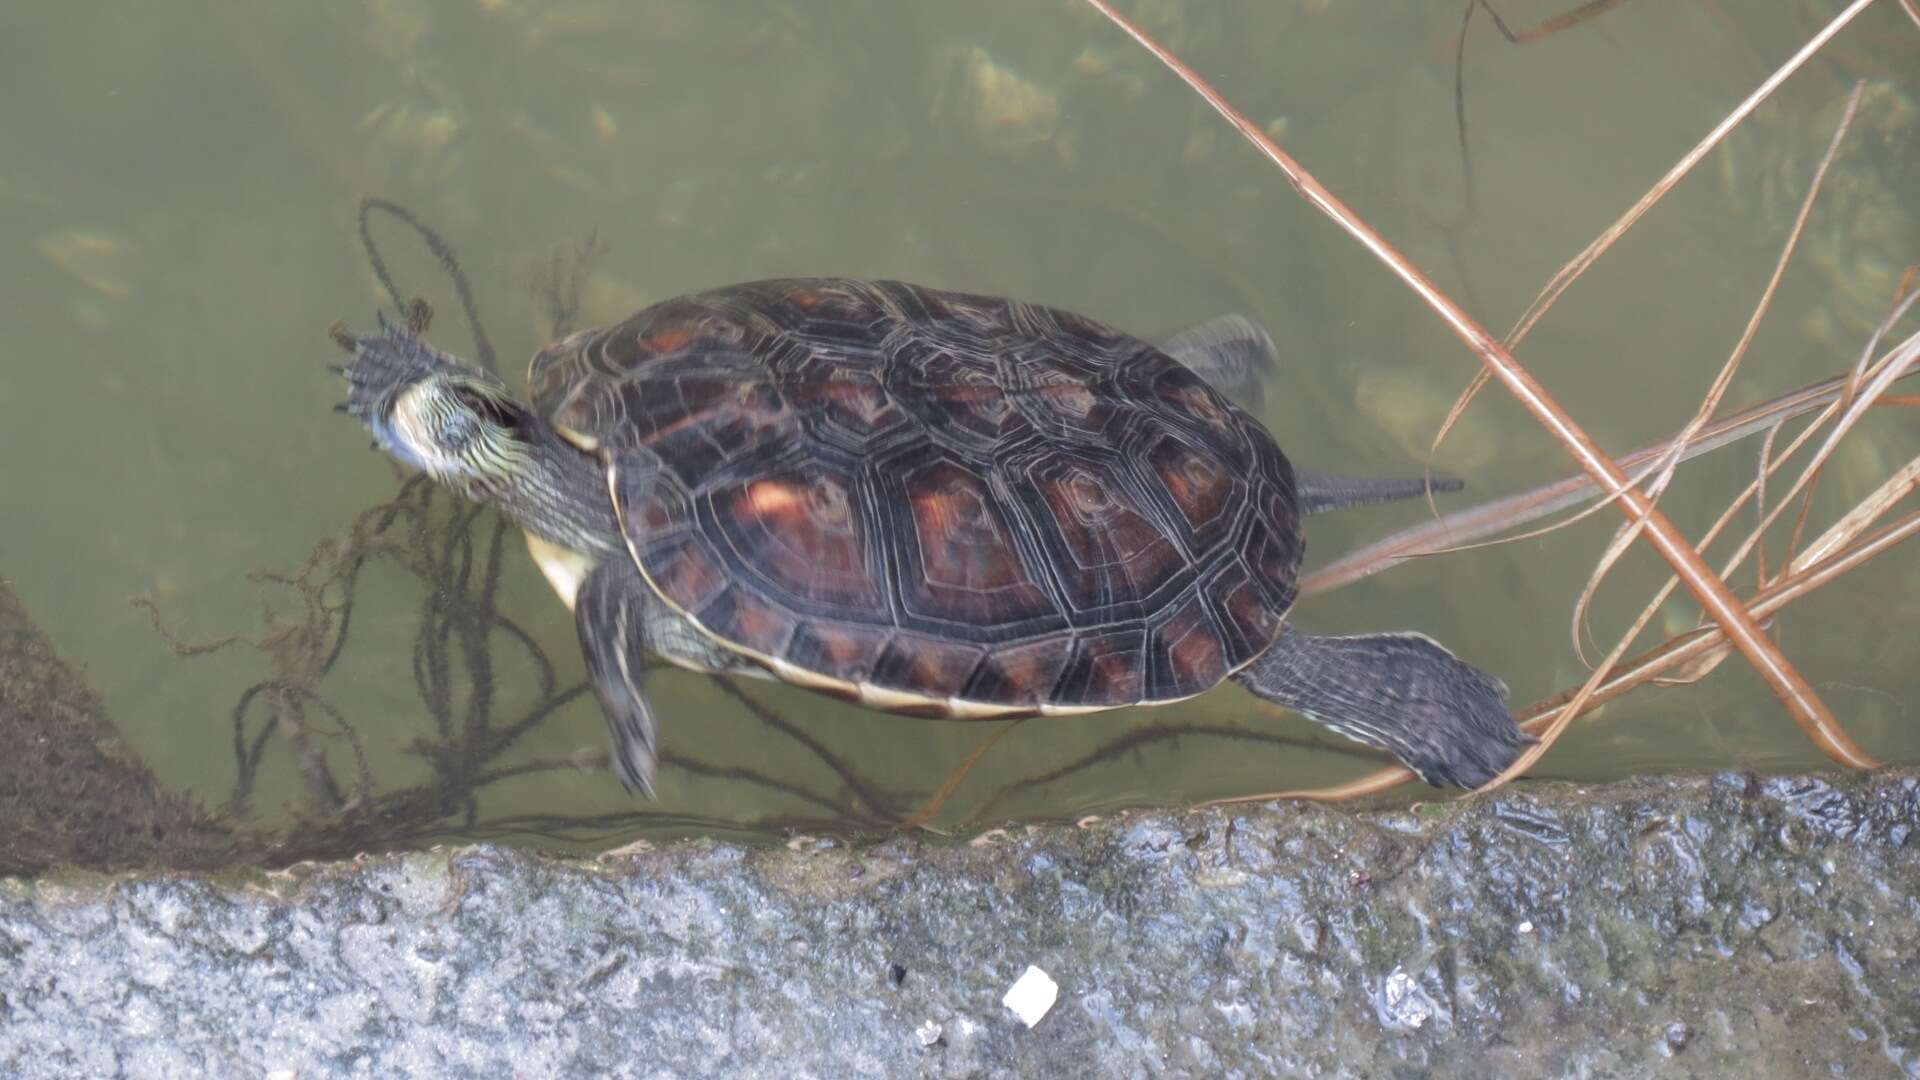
x: 1696, y: 657
x: 1549, y: 27
x: 919, y: 818
x: 1895, y: 363
x: 1625, y: 535
x: 1568, y: 274
x: 1769, y: 464
x: 1457, y: 530
x: 1779, y: 673
x: 1878, y: 377
x: 1884, y: 498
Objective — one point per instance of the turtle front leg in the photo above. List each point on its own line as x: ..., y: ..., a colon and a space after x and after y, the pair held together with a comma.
x: 613, y: 612
x: 1404, y: 693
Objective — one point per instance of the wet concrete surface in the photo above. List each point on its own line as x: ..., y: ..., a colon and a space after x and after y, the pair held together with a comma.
x: 1711, y: 926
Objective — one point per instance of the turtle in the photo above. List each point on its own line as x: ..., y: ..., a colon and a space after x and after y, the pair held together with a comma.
x: 928, y: 502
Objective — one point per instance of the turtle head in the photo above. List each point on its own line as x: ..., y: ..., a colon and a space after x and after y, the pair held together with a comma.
x: 433, y: 412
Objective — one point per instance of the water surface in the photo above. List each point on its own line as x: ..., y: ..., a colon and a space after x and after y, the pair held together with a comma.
x: 178, y: 186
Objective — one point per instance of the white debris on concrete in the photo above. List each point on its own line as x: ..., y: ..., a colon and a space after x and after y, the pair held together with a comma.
x: 1031, y: 996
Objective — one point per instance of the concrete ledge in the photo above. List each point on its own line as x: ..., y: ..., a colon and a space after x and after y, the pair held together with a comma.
x: 1693, y: 927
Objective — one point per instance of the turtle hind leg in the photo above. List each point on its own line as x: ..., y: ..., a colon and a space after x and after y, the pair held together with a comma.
x: 1234, y: 354
x: 1403, y: 693
x: 614, y: 613
x: 1237, y: 357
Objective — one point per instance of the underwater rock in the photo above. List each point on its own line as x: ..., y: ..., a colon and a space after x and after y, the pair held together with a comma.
x: 69, y: 789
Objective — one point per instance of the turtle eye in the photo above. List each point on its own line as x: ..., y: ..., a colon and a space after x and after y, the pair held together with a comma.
x: 487, y: 406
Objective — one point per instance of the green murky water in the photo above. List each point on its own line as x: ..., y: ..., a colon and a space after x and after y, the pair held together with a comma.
x: 178, y: 186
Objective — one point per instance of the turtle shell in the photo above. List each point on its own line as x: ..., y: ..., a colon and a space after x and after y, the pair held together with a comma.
x: 934, y: 502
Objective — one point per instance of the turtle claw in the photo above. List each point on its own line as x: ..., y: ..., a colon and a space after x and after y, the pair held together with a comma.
x: 343, y: 407
x: 338, y: 332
